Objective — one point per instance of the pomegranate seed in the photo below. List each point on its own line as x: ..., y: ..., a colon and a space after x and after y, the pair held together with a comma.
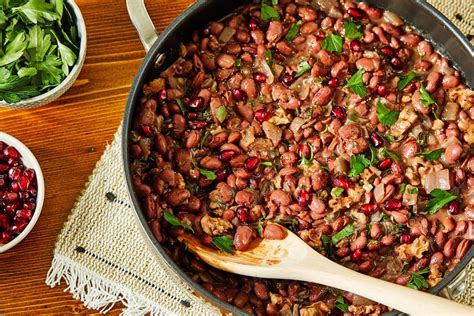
x: 197, y: 102
x: 368, y: 209
x: 238, y: 94
x: 381, y: 90
x: 251, y: 163
x: 13, y: 162
x: 376, y: 140
x: 304, y: 198
x: 356, y: 256
x: 333, y: 82
x: 393, y: 205
x: 24, y: 183
x: 14, y: 173
x: 304, y: 151
x: 2, y: 183
x: 288, y: 78
x: 338, y: 112
x: 259, y: 77
x: 25, y: 214
x: 227, y: 155
x: 221, y: 175
x: 11, y: 196
x: 5, y: 237
x: 191, y: 115
x: 262, y: 115
x: 15, y: 186
x: 384, y: 164
x: 11, y: 207
x: 11, y: 152
x: 252, y: 24
x: 162, y: 95
x: 341, y: 182
x: 454, y: 208
x: 405, y: 239
x: 396, y: 63
x: 29, y: 173
x: 32, y: 191
x: 197, y: 124
x: 18, y: 226
x: 4, y: 221
x: 356, y: 13
x: 4, y: 168
x: 243, y: 214
x: 29, y: 206
x: 148, y: 131
x: 387, y: 51
x: 356, y: 46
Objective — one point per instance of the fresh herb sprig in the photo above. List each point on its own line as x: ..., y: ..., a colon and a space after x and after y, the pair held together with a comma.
x: 417, y: 280
x: 174, y: 221
x: 356, y: 84
x: 439, y: 199
x: 224, y: 243
x: 386, y: 116
x: 332, y: 43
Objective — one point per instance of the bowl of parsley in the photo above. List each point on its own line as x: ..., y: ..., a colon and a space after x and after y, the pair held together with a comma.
x: 42, y: 50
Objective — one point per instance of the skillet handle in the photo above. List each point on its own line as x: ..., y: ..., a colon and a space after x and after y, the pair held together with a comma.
x: 142, y: 23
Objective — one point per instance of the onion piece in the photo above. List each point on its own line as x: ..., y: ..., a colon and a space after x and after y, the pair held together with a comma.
x: 410, y: 198
x: 379, y: 192
x: 296, y: 124
x: 262, y: 66
x: 226, y: 34
x: 272, y: 132
x: 437, y: 180
x: 302, y: 85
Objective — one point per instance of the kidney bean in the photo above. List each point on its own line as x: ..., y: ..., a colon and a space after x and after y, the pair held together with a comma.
x: 273, y: 231
x: 212, y: 163
x: 155, y: 227
x: 261, y: 291
x: 274, y: 32
x: 449, y: 249
x: 432, y: 81
x: 280, y: 197
x: 375, y: 231
x: 436, y: 258
x: 462, y: 248
x: 178, y: 196
x: 366, y: 266
x: 308, y: 28
x: 342, y: 252
x: 403, y: 279
x: 387, y: 240
x: 192, y: 139
x: 399, y: 217
x: 440, y: 239
x: 461, y: 228
x: 243, y: 237
x: 245, y: 198
x: 452, y: 153
x: 450, y: 81
x: 368, y: 64
x: 225, y: 61
x: 448, y: 223
x: 284, y: 48
x: 424, y: 48
x: 359, y: 243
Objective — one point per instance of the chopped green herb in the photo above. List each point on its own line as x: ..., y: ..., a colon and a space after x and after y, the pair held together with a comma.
x: 224, y: 243
x: 373, y: 155
x: 405, y: 80
x: 386, y: 116
x: 259, y: 226
x: 414, y: 191
x: 356, y: 84
x: 358, y: 164
x: 425, y: 97
x: 389, y: 137
x: 353, y: 116
x: 308, y: 160
x: 332, y: 43
x: 268, y: 13
x: 221, y: 113
x: 173, y: 220
x: 209, y: 174
x: 293, y: 31
x: 344, y: 233
x: 204, y: 138
x: 238, y: 62
x: 266, y: 163
x: 417, y: 281
x: 341, y: 304
x: 337, y: 191
x: 268, y: 56
x: 302, y: 68
x: 327, y: 245
x: 431, y: 155
x: 181, y: 105
x: 352, y: 30
x: 403, y: 186
x: 439, y: 199
x: 388, y: 154
x: 275, y: 2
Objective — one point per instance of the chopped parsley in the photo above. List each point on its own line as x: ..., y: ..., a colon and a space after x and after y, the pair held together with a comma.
x: 373, y: 155
x: 417, y: 280
x: 403, y: 186
x: 266, y: 163
x: 352, y: 30
x: 293, y: 31
x: 358, y: 164
x: 386, y: 116
x: 268, y: 12
x: 238, y: 62
x: 181, y: 105
x: 221, y: 113
x: 268, y: 56
x: 425, y: 98
x: 341, y: 304
x: 388, y: 154
x: 332, y: 43
x: 439, y: 199
x: 431, y: 155
x: 173, y: 220
x: 405, y: 80
x: 344, y: 233
x: 356, y: 84
x: 302, y: 68
x: 224, y: 243
x: 337, y: 191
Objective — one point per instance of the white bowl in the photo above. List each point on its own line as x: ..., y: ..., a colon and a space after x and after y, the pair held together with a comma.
x: 61, y: 88
x: 28, y: 160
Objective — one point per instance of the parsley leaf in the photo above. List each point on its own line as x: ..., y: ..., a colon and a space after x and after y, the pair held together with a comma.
x: 388, y: 154
x: 35, y: 11
x: 209, y: 174
x: 344, y: 233
x: 14, y: 49
x: 302, y: 68
x: 268, y: 12
x: 440, y: 199
x: 332, y: 43
x: 337, y: 191
x: 352, y: 30
x: 341, y: 304
x: 268, y: 56
x: 173, y: 220
x: 275, y: 2
x: 405, y: 80
x: 431, y: 155
x: 425, y: 97
x: 221, y: 113
x: 358, y: 164
x: 223, y: 243
x: 238, y: 62
x: 293, y: 31
x: 181, y: 105
x: 266, y: 163
x: 259, y: 226
x: 373, y: 155
x: 356, y: 84
x: 417, y: 281
x: 385, y: 115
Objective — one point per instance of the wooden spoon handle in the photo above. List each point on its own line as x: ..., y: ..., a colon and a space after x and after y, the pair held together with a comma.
x: 402, y: 298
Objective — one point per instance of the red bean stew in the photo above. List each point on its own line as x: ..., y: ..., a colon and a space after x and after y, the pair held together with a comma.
x: 336, y: 120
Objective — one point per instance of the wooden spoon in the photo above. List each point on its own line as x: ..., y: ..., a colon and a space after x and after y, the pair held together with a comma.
x: 291, y: 258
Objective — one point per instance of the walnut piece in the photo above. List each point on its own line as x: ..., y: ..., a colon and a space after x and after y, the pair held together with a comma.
x: 215, y: 226
x: 406, y: 252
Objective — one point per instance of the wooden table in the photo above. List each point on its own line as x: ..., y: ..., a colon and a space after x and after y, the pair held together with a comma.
x: 68, y: 137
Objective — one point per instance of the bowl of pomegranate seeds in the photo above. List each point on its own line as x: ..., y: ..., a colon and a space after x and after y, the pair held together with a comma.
x: 21, y: 191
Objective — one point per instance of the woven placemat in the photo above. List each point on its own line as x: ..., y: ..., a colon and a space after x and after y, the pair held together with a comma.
x: 103, y: 258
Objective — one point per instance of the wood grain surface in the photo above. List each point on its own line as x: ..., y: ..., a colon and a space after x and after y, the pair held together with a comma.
x: 68, y: 137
